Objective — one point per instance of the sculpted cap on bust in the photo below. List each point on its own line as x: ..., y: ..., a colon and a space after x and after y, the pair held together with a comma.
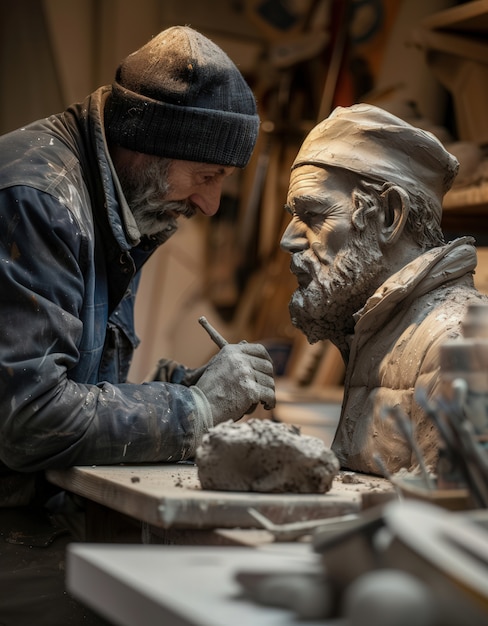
x: 371, y: 141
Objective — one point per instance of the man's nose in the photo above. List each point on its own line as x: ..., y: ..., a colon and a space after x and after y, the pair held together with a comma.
x: 208, y: 201
x: 294, y: 238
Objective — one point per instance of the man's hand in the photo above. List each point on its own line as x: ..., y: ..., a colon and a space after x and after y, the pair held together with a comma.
x: 236, y: 379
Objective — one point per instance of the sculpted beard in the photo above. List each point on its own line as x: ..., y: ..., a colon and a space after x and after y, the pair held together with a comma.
x: 324, y: 309
x: 144, y: 189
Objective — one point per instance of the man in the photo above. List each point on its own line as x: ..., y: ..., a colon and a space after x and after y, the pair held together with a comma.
x: 374, y: 273
x: 86, y: 196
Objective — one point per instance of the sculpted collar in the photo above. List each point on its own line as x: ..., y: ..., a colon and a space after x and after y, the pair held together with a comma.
x: 428, y: 271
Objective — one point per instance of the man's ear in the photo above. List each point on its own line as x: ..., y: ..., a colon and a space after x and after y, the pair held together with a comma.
x: 395, y: 207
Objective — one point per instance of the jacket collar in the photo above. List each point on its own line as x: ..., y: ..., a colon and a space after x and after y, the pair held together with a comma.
x: 120, y: 216
x: 118, y: 213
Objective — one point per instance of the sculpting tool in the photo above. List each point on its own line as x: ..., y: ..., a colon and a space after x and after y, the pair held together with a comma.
x: 217, y: 338
x: 386, y: 474
x: 405, y: 427
x: 433, y: 411
x: 474, y: 462
x: 214, y: 334
x: 293, y: 530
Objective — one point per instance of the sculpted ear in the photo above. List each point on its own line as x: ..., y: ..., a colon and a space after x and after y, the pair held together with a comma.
x: 395, y: 207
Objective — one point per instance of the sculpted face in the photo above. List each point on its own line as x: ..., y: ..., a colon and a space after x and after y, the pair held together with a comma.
x: 337, y: 265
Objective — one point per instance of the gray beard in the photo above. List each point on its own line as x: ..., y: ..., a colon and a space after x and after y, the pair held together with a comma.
x: 324, y: 309
x: 155, y: 218
x: 144, y: 190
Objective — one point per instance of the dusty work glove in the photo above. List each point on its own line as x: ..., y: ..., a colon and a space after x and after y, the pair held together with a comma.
x: 236, y: 380
x: 171, y: 371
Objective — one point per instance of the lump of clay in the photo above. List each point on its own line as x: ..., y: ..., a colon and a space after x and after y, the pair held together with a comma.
x: 265, y: 456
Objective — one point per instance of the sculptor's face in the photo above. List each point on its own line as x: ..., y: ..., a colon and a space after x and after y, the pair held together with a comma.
x: 337, y: 267
x: 159, y: 191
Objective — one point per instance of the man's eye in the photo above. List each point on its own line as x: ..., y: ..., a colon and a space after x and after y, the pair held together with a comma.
x: 209, y: 179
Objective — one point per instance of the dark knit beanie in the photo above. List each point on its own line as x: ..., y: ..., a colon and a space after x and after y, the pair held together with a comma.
x: 181, y: 97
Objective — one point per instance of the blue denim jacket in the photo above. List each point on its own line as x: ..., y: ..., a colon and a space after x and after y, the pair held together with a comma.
x: 69, y: 268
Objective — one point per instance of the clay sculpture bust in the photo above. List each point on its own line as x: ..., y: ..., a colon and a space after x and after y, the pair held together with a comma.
x: 374, y: 273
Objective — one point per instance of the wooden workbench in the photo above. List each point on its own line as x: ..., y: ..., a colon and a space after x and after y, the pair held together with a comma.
x: 169, y: 497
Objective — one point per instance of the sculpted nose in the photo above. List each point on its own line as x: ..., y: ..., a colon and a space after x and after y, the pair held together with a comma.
x: 294, y: 238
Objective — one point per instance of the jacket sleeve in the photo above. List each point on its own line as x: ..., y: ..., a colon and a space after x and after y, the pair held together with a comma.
x: 46, y: 418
